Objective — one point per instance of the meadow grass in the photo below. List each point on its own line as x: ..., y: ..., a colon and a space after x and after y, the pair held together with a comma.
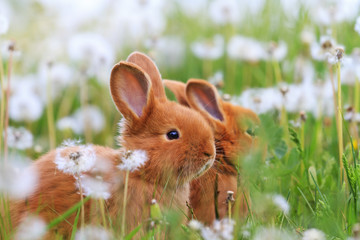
x: 314, y: 165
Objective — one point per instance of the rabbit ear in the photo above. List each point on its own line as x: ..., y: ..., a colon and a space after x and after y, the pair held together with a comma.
x: 151, y: 69
x: 178, y: 88
x: 204, y: 97
x: 131, y: 90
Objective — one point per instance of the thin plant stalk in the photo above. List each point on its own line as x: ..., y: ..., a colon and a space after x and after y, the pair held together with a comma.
x: 277, y: 72
x: 124, y: 204
x: 50, y: 111
x: 339, y: 116
x: 84, y: 104
x: 82, y: 224
x: 229, y: 209
x: 102, y: 210
x: 357, y: 95
x: 2, y: 106
x: 7, y: 97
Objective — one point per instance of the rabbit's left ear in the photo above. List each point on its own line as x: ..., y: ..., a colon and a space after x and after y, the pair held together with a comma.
x: 149, y: 67
x: 178, y: 88
x: 203, y: 96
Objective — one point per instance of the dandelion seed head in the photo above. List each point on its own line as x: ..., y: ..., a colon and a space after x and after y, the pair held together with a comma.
x: 93, y: 233
x: 19, y: 138
x: 95, y: 187
x: 281, y: 203
x: 357, y: 25
x: 133, y: 160
x: 75, y: 160
x: 210, y: 49
x: 313, y: 234
x: 195, y: 225
x: 272, y: 234
x: 223, y: 12
x: 17, y: 178
x: 31, y: 228
x: 4, y: 24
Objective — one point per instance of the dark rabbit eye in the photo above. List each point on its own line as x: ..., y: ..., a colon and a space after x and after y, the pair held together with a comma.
x: 173, y: 134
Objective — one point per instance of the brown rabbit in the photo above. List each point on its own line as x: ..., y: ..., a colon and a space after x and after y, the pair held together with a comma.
x: 178, y: 143
x: 229, y: 123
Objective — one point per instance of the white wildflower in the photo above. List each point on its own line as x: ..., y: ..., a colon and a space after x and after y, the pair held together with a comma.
x: 195, y: 224
x: 25, y: 106
x: 17, y: 178
x: 75, y: 161
x: 273, y: 234
x: 246, y: 49
x: 31, y: 228
x: 7, y: 48
x: 313, y: 234
x: 192, y: 8
x: 336, y: 55
x: 222, y: 230
x: 319, y: 50
x: 281, y: 203
x: 307, y: 36
x: 167, y: 51
x: 217, y: 79
x: 92, y: 50
x: 223, y: 12
x: 277, y: 51
x: 357, y: 25
x: 211, y: 49
x: 132, y: 160
x: 4, y: 24
x: 95, y: 187
x: 93, y: 233
x: 89, y: 117
x: 19, y: 138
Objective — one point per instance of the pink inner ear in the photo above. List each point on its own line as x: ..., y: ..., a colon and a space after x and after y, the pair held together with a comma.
x: 134, y: 91
x: 206, y: 98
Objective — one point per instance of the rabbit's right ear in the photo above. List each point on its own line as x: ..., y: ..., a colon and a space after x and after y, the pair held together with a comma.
x: 131, y: 90
x: 203, y: 96
x: 178, y: 88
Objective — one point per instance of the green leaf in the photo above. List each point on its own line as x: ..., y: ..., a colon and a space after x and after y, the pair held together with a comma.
x: 66, y: 214
x: 133, y: 232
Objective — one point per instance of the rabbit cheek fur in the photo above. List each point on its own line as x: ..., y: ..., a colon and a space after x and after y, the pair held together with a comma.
x: 231, y: 141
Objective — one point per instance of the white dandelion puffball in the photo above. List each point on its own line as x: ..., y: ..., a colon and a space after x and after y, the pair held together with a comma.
x: 17, y: 178
x: 313, y: 234
x: 132, y: 160
x: 281, y: 203
x: 4, y: 24
x: 222, y: 12
x: 273, y: 234
x: 209, y: 49
x: 19, y: 138
x: 79, y: 160
x: 95, y: 187
x: 32, y: 228
x: 357, y: 25
x: 93, y: 233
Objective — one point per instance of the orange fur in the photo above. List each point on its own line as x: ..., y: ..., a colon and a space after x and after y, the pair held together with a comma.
x: 229, y: 123
x: 147, y: 117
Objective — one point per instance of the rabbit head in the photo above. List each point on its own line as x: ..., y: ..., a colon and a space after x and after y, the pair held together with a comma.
x: 229, y: 122
x: 178, y: 142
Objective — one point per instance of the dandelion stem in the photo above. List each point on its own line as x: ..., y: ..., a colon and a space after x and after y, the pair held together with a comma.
x: 229, y: 209
x: 2, y: 107
x: 124, y: 204
x: 339, y: 113
x: 277, y: 72
x: 102, y: 209
x: 357, y: 95
x: 50, y: 112
x: 82, y: 202
x: 11, y: 49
